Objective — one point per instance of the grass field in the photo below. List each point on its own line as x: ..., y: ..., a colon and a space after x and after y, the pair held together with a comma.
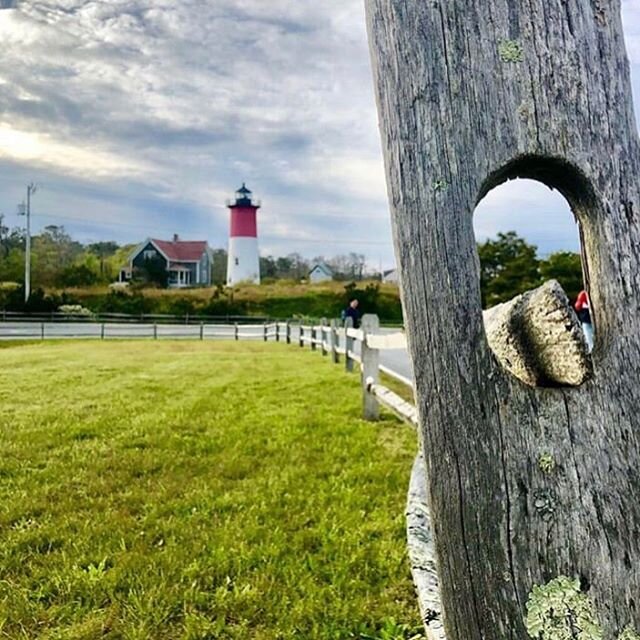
x: 197, y: 491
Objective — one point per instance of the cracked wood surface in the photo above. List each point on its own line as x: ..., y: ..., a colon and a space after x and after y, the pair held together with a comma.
x: 472, y: 93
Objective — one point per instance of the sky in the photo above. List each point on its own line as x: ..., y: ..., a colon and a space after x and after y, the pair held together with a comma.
x: 139, y: 118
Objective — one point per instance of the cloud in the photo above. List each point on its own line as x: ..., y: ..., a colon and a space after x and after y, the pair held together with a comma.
x: 151, y: 112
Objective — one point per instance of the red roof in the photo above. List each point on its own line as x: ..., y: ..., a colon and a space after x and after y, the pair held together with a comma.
x: 180, y: 250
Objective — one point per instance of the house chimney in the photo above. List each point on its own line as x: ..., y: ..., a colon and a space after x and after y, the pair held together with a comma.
x: 175, y: 237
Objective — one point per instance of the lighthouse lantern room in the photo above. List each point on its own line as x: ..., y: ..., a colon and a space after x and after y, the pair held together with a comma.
x: 244, y: 261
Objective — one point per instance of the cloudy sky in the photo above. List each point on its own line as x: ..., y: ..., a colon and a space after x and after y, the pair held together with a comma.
x: 140, y: 117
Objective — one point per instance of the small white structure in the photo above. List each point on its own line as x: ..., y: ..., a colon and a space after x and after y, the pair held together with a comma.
x: 320, y: 273
x: 390, y: 276
x: 244, y: 261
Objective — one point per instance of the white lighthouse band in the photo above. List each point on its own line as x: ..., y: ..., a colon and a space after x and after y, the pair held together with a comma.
x: 244, y: 261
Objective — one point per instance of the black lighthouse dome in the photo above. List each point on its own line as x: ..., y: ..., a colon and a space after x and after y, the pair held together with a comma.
x: 244, y: 198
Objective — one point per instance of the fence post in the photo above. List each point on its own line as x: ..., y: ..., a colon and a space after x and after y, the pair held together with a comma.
x: 202, y: 331
x: 265, y: 331
x: 277, y: 331
x: 235, y: 333
x: 348, y: 345
x: 301, y: 334
x: 42, y: 330
x: 155, y: 331
x: 370, y: 368
x: 333, y: 339
x: 314, y: 336
x: 288, y: 332
x: 102, y: 331
x: 323, y: 324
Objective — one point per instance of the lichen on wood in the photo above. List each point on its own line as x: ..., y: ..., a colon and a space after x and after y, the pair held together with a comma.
x: 547, y: 463
x: 510, y: 51
x: 559, y: 610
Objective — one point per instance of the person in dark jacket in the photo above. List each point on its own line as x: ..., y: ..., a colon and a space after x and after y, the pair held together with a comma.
x: 352, y: 312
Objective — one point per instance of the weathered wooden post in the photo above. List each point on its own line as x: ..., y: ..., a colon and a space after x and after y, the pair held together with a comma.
x: 301, y: 335
x: 236, y: 331
x: 288, y: 332
x: 333, y: 339
x: 314, y: 336
x: 323, y: 325
x: 534, y: 491
x: 370, y: 368
x: 265, y: 332
x: 348, y: 345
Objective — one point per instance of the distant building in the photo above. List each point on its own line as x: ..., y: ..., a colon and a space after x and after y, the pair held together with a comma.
x: 320, y: 273
x: 390, y: 276
x: 188, y: 263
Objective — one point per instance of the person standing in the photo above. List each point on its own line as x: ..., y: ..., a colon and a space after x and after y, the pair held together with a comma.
x: 353, y: 313
x: 583, y: 309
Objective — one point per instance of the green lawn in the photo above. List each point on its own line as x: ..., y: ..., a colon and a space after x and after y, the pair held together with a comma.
x: 197, y: 490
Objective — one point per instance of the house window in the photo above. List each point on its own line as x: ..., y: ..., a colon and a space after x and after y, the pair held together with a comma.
x: 149, y: 254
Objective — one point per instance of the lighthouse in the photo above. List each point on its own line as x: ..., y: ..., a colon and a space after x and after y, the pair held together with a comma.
x: 244, y: 261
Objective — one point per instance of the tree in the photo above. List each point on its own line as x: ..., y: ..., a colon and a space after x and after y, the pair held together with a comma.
x: 103, y: 250
x: 508, y: 266
x: 566, y: 268
x: 77, y: 275
x: 268, y: 267
x: 299, y: 266
x: 219, y: 266
x: 53, y: 250
x: 284, y: 267
x: 12, y: 266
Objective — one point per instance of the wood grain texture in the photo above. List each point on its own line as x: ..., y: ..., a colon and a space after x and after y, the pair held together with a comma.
x: 472, y: 93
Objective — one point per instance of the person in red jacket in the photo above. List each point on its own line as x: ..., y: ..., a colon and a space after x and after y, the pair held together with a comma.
x: 583, y: 309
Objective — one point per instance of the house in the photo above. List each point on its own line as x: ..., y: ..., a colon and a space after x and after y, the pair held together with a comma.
x: 390, y: 276
x: 320, y: 273
x: 188, y: 263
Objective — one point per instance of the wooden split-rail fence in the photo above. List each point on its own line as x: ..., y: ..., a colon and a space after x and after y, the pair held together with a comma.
x: 362, y: 347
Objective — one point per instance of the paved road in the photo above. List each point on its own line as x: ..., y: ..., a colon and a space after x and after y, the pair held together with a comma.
x: 395, y: 359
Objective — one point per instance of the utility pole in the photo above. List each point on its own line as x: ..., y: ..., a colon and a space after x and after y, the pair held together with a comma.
x: 22, y: 210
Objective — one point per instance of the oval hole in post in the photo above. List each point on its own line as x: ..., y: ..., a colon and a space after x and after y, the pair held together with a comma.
x: 531, y: 254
